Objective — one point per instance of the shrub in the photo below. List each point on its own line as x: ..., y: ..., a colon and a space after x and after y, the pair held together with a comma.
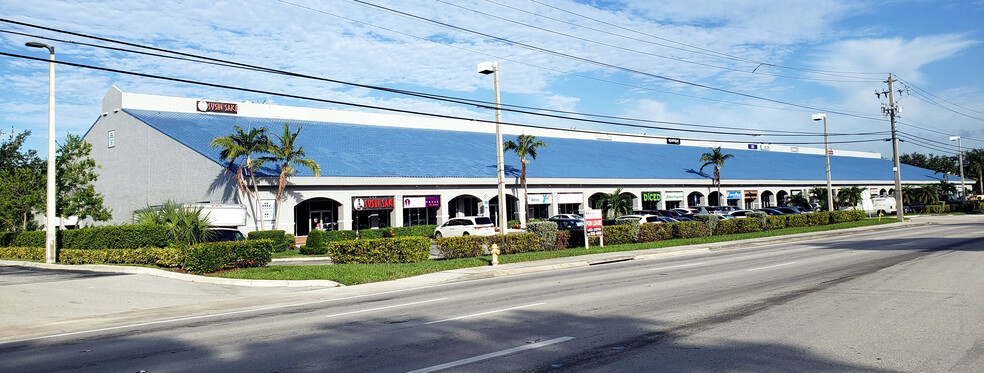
x: 795, y: 221
x: 374, y: 233
x: 563, y: 240
x: 775, y: 222
x: 972, y: 207
x: 291, y: 240
x: 315, y: 244
x: 515, y: 243
x: 633, y: 226
x: 336, y: 235
x: 381, y: 250
x: 278, y: 237
x: 933, y: 209
x: 169, y: 257
x: 619, y: 234
x: 214, y: 256
x: 724, y: 227
x: 690, y: 229
x: 28, y: 239
x: 655, y: 232
x: 748, y: 224
x: 6, y: 237
x: 815, y: 219
x: 29, y: 253
x: 115, y: 237
x: 183, y: 223
x: 461, y: 247
x: 711, y: 220
x: 513, y: 224
x: 546, y: 230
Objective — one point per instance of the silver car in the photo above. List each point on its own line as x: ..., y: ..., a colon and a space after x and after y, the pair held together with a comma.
x: 466, y: 226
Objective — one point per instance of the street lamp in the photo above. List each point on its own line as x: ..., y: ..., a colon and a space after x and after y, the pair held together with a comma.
x: 49, y: 242
x: 960, y: 152
x: 493, y: 68
x: 826, y: 154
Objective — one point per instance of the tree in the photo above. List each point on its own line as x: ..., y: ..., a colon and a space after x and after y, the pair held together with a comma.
x: 22, y: 195
x: 975, y: 164
x: 75, y: 173
x: 850, y: 196
x: 616, y: 203
x: 184, y: 224
x: 240, y: 147
x: 946, y: 188
x: 286, y: 157
x: 818, y: 195
x: 716, y: 158
x: 797, y: 200
x: 524, y: 145
x: 947, y: 165
x: 908, y: 194
x: 927, y: 193
x: 12, y: 157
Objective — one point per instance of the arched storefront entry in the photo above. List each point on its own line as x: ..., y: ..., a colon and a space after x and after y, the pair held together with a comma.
x: 781, y: 197
x: 511, y: 208
x: 767, y: 199
x: 695, y: 199
x: 316, y: 213
x: 464, y: 205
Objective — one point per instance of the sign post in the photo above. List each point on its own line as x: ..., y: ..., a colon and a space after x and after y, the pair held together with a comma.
x: 592, y: 227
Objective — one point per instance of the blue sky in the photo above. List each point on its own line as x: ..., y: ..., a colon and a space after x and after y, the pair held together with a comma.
x: 755, y: 66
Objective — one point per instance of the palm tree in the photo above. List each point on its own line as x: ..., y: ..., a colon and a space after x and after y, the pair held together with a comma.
x: 947, y: 188
x: 243, y: 145
x: 615, y: 202
x: 716, y: 158
x: 819, y: 195
x: 184, y: 224
x: 908, y: 192
x: 524, y: 145
x: 927, y: 194
x: 850, y: 196
x: 797, y: 200
x: 975, y: 164
x: 286, y: 157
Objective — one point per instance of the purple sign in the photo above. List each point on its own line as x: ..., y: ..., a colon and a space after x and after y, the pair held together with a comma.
x: 420, y: 202
x: 433, y: 201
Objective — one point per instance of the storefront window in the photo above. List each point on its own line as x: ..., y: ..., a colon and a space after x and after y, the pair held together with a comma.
x: 419, y: 216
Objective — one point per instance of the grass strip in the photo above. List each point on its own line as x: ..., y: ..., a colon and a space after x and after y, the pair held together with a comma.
x: 354, y: 274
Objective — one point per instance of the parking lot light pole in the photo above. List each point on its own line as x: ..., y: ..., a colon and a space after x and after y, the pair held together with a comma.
x: 493, y: 68
x: 50, y: 237
x: 826, y: 154
x: 960, y: 152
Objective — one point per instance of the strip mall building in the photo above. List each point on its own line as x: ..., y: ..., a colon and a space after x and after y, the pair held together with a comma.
x: 384, y: 170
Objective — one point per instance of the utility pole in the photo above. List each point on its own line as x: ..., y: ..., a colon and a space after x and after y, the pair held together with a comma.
x: 892, y: 110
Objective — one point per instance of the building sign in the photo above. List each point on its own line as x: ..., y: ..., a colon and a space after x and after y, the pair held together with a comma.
x: 267, y: 209
x: 766, y: 148
x: 794, y: 149
x: 751, y: 194
x: 112, y: 138
x: 651, y: 197
x: 753, y: 146
x: 673, y: 196
x: 421, y: 202
x: 373, y: 203
x: 830, y: 152
x: 592, y: 223
x: 734, y: 194
x: 217, y: 107
x: 539, y: 199
x: 672, y: 141
x: 568, y: 198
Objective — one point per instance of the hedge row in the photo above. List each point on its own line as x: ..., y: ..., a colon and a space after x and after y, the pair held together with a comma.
x: 414, y: 231
x: 381, y: 250
x: 472, y: 246
x: 200, y: 258
x: 279, y: 238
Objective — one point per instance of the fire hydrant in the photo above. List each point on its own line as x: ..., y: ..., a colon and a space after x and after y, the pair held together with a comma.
x: 495, y: 254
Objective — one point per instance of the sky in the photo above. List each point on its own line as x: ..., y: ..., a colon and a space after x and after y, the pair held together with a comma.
x: 752, y: 70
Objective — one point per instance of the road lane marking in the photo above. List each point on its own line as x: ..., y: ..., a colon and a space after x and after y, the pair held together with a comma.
x: 492, y: 355
x: 771, y: 266
x: 485, y: 313
x: 385, y: 307
x: 677, y: 266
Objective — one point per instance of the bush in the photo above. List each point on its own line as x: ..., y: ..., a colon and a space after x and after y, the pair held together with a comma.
x: 563, y: 240
x: 513, y: 224
x: 168, y: 257
x: 724, y: 227
x: 795, y: 221
x: 655, y: 232
x: 934, y: 209
x: 633, y: 227
x: 816, y: 219
x: 29, y: 253
x: 748, y: 224
x: 775, y: 222
x: 214, y: 256
x: 515, y: 243
x: 315, y: 244
x: 382, y: 250
x: 278, y: 237
x: 115, y: 237
x: 972, y: 207
x: 618, y: 234
x: 711, y: 220
x: 291, y: 240
x: 28, y: 239
x: 546, y: 230
x: 6, y: 237
x: 330, y: 236
x: 690, y: 229
x: 461, y: 247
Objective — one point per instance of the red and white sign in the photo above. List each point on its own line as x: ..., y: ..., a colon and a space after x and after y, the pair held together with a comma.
x: 592, y: 223
x: 830, y: 152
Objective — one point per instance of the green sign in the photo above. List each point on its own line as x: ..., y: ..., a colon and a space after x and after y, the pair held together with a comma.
x: 651, y: 197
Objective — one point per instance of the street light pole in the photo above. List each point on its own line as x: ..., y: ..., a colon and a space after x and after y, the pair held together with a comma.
x: 50, y: 236
x: 960, y: 152
x: 493, y: 68
x: 826, y: 154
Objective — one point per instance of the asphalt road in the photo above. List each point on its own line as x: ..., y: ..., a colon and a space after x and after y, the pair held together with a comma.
x: 902, y: 300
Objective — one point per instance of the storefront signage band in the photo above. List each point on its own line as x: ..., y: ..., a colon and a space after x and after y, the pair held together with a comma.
x: 217, y: 107
x: 421, y: 202
x: 651, y: 196
x: 734, y: 194
x: 374, y: 203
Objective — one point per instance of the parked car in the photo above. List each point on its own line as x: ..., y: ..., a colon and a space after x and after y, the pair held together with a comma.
x: 771, y: 211
x: 740, y: 213
x: 786, y: 210
x: 566, y: 216
x: 568, y: 224
x: 643, y: 219
x: 225, y: 234
x: 668, y: 219
x: 466, y: 226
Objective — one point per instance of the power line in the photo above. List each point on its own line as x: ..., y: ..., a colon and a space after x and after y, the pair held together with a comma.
x: 938, y: 97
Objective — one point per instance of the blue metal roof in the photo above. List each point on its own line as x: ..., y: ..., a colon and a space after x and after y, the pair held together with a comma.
x: 353, y: 150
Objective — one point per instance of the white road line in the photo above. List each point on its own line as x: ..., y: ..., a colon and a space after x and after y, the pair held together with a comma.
x: 677, y: 266
x: 771, y: 266
x: 485, y: 313
x: 492, y: 355
x: 385, y: 307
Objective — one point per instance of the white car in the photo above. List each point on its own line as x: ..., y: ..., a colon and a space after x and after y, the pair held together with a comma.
x: 566, y: 216
x: 466, y: 226
x: 643, y: 219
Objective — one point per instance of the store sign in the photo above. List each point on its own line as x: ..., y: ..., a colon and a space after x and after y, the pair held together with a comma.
x: 672, y: 141
x: 539, y: 199
x: 766, y: 148
x: 651, y: 197
x: 794, y: 149
x: 751, y: 194
x: 734, y: 194
x: 267, y: 208
x: 373, y: 203
x: 217, y: 107
x: 753, y: 146
x: 568, y: 198
x: 421, y: 202
x: 673, y: 196
x: 592, y: 223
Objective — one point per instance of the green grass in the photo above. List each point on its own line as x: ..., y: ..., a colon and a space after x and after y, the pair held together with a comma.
x: 289, y: 254
x: 353, y: 274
